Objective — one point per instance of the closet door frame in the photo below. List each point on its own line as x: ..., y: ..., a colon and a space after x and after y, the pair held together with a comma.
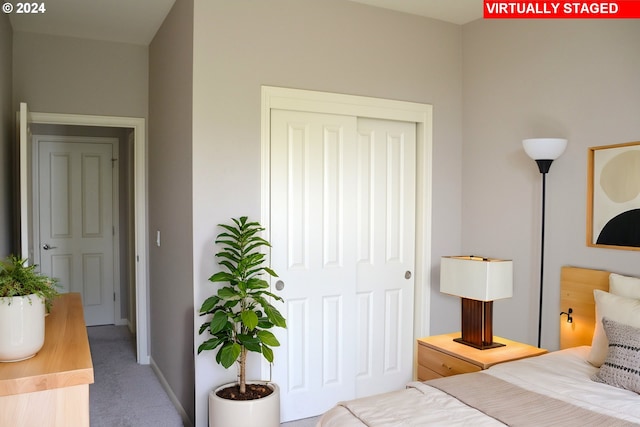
x: 375, y: 108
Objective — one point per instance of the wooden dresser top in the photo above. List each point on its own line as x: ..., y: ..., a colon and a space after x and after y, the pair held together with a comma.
x: 63, y: 361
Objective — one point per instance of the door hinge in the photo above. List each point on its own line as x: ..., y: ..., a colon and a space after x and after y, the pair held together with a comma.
x: 114, y: 296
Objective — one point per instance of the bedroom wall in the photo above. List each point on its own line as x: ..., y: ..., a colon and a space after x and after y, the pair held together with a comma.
x: 55, y: 74
x: 333, y: 46
x: 170, y: 203
x: 576, y: 79
x: 6, y: 138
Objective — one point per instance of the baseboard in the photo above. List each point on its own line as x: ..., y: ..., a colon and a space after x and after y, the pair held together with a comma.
x: 165, y: 385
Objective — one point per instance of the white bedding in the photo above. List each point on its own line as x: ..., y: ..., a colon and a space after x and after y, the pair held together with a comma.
x: 563, y: 375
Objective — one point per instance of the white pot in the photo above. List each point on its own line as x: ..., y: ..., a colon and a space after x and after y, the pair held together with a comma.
x: 263, y: 412
x: 21, y: 327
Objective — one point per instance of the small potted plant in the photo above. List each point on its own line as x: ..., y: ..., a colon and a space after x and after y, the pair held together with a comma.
x: 25, y: 297
x: 240, y: 316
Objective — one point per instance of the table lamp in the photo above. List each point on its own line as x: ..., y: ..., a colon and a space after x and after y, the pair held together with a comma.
x: 478, y: 281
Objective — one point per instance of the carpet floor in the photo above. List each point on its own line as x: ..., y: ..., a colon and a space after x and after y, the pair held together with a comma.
x: 125, y: 394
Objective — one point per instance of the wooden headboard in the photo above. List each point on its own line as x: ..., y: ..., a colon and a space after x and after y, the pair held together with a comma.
x: 576, y: 292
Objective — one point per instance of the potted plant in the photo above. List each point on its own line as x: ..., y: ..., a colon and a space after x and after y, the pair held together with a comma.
x: 240, y: 318
x: 25, y: 297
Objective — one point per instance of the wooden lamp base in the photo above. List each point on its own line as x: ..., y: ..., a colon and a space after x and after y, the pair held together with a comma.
x: 477, y: 324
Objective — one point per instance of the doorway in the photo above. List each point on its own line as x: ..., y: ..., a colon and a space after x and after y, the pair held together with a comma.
x: 136, y: 137
x: 76, y: 211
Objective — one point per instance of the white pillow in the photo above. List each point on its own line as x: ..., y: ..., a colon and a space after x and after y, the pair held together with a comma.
x: 624, y: 286
x: 619, y: 309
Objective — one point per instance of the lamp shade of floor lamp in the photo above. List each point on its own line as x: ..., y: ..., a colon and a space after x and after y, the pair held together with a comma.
x: 478, y: 281
x: 544, y: 151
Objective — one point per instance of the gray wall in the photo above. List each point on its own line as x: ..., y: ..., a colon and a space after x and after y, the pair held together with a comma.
x: 6, y: 139
x: 56, y: 74
x: 333, y: 46
x: 577, y: 79
x: 171, y: 202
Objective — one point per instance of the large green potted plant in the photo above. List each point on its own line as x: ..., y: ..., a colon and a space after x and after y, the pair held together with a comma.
x: 25, y: 297
x: 240, y: 316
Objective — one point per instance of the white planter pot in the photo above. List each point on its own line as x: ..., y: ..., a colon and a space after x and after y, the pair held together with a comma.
x: 263, y: 412
x: 21, y: 327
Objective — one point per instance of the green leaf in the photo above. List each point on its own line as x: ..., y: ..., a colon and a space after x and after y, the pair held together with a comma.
x: 268, y: 338
x: 210, y: 344
x: 267, y: 353
x: 218, y: 321
x: 228, y: 293
x: 229, y: 353
x: 221, y: 276
x: 203, y: 327
x: 209, y: 304
x: 270, y: 272
x: 275, y: 317
x: 249, y: 319
x: 251, y: 343
x: 255, y: 283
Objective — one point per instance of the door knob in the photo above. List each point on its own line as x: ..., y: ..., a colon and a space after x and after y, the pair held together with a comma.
x: 407, y: 275
x: 279, y: 285
x: 46, y: 247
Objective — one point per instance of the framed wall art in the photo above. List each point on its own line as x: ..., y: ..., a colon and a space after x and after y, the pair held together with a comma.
x: 613, y: 196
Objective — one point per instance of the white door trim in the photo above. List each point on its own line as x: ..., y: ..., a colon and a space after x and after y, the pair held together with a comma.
x: 360, y: 106
x: 140, y: 188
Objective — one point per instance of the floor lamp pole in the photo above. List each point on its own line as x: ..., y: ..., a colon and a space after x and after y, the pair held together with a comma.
x: 544, y: 166
x: 544, y: 191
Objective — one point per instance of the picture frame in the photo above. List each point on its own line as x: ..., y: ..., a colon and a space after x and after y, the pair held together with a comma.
x: 613, y: 196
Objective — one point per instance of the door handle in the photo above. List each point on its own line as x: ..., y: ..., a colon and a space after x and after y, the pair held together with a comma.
x: 46, y: 247
x: 279, y: 285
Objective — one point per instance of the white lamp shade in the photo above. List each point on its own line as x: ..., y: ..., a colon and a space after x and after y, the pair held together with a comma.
x: 477, y: 278
x: 544, y: 148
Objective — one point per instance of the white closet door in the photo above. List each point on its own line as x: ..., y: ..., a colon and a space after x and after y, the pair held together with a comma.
x: 342, y: 231
x: 313, y: 245
x: 385, y: 254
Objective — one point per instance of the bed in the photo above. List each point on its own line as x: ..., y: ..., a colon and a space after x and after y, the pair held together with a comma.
x: 593, y: 380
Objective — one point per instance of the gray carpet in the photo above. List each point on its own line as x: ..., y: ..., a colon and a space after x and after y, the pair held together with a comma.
x: 125, y: 394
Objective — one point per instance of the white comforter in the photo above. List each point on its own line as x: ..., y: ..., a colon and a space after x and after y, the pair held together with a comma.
x: 563, y: 375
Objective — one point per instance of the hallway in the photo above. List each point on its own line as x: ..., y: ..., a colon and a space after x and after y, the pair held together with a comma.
x: 124, y: 393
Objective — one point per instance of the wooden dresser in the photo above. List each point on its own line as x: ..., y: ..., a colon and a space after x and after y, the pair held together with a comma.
x: 439, y: 356
x: 52, y: 388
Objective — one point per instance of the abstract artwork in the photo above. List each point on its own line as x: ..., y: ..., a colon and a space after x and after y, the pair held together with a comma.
x: 613, y: 208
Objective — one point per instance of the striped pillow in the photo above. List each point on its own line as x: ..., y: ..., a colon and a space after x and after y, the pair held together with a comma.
x: 621, y: 368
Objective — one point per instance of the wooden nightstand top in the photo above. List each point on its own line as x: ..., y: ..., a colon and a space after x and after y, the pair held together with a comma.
x: 483, y: 358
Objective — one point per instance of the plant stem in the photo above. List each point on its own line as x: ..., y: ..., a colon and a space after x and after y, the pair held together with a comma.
x: 243, y: 375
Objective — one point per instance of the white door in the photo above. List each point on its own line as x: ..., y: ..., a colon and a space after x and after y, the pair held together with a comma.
x: 75, y: 217
x: 342, y: 231
x: 385, y: 254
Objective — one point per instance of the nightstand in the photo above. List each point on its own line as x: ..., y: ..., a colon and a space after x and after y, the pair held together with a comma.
x: 439, y: 356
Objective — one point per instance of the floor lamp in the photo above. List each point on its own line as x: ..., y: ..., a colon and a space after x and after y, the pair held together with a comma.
x: 544, y: 151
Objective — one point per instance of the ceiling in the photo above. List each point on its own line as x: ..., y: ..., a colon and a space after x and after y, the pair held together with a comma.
x: 455, y: 11
x: 136, y: 21
x: 126, y: 21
